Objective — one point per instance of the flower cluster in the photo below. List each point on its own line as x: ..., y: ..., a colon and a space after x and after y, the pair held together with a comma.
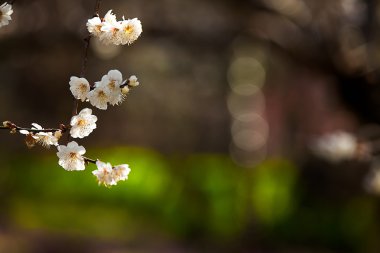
x: 81, y: 125
x: 111, y: 89
x: 108, y: 175
x: 111, y: 31
x: 46, y: 139
x: 5, y: 14
x: 71, y: 159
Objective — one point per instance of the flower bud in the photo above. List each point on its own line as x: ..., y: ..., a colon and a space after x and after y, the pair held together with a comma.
x: 6, y: 123
x: 132, y: 81
x: 125, y: 90
x: 58, y: 134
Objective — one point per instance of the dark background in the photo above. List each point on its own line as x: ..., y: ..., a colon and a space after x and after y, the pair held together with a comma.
x: 218, y: 134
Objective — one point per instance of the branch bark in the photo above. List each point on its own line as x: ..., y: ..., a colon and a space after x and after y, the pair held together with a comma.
x: 87, y: 40
x: 11, y: 126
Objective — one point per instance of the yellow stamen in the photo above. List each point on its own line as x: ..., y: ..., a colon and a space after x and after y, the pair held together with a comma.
x: 102, y: 95
x: 83, y: 87
x: 128, y: 29
x: 112, y: 84
x: 81, y: 122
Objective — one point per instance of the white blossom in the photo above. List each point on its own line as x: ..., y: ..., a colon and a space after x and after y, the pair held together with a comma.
x: 94, y: 26
x: 110, y: 18
x: 5, y: 14
x: 79, y: 87
x: 83, y: 123
x: 115, y: 76
x: 112, y: 81
x: 336, y: 146
x: 58, y: 134
x: 132, y: 81
x: 125, y: 90
x: 25, y: 132
x: 46, y: 139
x: 121, y: 172
x: 130, y: 30
x: 37, y: 126
x: 108, y: 175
x: 70, y: 156
x: 99, y: 97
x: 111, y: 31
x: 108, y: 90
x: 104, y: 173
x: 110, y: 36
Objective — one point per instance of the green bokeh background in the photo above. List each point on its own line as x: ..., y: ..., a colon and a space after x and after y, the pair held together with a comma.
x: 199, y: 202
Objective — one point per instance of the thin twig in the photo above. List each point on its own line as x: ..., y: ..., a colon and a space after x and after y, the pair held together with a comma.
x: 11, y: 126
x: 85, y: 58
x: 83, y: 71
x: 87, y: 40
x: 97, y: 7
x: 89, y: 160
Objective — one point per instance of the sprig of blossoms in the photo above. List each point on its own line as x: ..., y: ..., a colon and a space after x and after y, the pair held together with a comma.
x: 111, y: 31
x: 111, y: 89
x: 5, y: 14
x: 108, y: 175
x: 46, y: 139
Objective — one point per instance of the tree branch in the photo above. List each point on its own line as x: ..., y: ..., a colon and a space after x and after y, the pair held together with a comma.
x: 11, y: 126
x: 89, y: 160
x: 87, y: 40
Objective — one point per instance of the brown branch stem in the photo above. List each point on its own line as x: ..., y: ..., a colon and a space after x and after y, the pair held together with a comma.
x: 97, y: 7
x: 86, y: 40
x: 11, y: 126
x: 89, y: 160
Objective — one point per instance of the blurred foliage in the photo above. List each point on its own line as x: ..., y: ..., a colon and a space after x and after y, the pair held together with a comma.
x: 156, y: 193
x: 202, y: 198
x: 273, y: 193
